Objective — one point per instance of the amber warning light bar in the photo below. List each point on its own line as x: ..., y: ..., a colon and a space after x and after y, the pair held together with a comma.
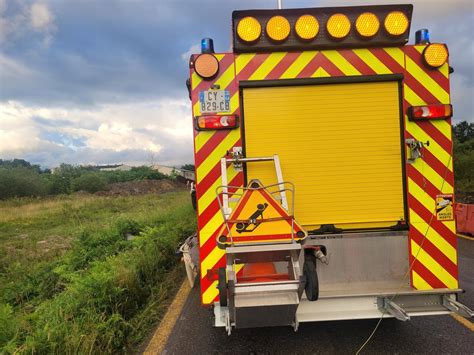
x: 320, y: 28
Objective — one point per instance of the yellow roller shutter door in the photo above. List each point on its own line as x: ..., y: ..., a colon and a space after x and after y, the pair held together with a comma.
x: 338, y: 143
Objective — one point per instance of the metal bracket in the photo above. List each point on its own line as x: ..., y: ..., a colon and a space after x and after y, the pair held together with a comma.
x: 394, y: 309
x: 457, y: 307
x: 228, y: 326
x: 237, y: 161
x: 416, y: 149
x: 237, y: 154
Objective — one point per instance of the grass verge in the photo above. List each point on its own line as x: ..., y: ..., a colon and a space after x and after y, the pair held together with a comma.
x: 104, y: 292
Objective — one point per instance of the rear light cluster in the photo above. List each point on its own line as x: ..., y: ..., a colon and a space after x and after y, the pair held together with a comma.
x: 215, y: 122
x: 430, y: 112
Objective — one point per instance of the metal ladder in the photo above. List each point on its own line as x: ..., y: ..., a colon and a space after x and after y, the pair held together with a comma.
x: 262, y: 303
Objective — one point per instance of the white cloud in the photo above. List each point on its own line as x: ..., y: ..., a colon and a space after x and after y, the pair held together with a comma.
x: 41, y: 17
x: 160, y: 128
x: 17, y: 135
x: 195, y: 48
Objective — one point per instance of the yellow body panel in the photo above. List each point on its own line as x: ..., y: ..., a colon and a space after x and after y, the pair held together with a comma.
x: 338, y: 143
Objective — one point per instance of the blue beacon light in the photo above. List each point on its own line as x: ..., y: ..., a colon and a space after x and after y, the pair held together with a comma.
x: 422, y: 36
x: 207, y: 45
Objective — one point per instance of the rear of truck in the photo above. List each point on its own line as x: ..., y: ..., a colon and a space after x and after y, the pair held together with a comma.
x: 361, y: 125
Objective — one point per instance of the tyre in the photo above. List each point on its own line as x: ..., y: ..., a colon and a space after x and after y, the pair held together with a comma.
x: 193, y: 200
x: 222, y: 286
x: 309, y: 271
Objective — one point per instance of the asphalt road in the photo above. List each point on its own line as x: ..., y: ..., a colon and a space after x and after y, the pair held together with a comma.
x: 194, y: 333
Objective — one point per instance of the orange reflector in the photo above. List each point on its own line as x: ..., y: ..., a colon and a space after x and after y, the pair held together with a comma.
x: 261, y: 272
x: 430, y: 112
x: 215, y: 122
x: 206, y: 66
x: 307, y: 27
x: 396, y: 23
x: 367, y: 24
x: 249, y: 29
x: 338, y: 26
x: 278, y: 28
x: 435, y: 55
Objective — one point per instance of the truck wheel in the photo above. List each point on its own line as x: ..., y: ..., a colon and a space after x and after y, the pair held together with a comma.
x: 312, y: 284
x: 222, y: 286
x: 193, y: 200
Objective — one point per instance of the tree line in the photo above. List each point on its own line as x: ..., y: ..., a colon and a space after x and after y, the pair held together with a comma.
x: 463, y: 137
x: 20, y: 178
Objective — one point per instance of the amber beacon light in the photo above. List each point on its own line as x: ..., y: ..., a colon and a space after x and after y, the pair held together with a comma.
x: 206, y: 66
x: 367, y: 24
x: 307, y: 27
x: 249, y: 29
x: 396, y: 23
x: 278, y: 28
x: 435, y: 55
x: 338, y: 26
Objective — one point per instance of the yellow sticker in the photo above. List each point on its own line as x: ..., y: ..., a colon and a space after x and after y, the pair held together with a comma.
x: 445, y: 207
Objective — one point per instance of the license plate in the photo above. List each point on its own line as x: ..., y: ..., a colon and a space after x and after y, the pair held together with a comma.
x: 214, y: 101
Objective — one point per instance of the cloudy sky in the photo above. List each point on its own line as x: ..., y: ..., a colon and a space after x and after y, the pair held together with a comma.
x: 103, y: 81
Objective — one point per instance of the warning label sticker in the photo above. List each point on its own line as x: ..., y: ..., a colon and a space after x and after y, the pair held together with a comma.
x: 444, y: 207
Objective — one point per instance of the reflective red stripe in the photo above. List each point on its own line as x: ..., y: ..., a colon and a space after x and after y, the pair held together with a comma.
x: 427, y: 275
x: 358, y: 63
x: 430, y: 219
x: 283, y: 65
x: 434, y: 252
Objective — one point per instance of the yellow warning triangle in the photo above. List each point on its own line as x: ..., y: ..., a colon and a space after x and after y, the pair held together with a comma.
x: 259, y: 217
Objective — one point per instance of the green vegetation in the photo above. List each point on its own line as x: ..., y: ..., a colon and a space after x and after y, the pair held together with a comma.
x: 19, y: 178
x: 464, y: 157
x: 90, y: 182
x: 87, y: 273
x: 21, y: 182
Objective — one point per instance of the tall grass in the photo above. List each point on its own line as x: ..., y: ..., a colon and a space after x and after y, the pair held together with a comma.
x: 93, y: 297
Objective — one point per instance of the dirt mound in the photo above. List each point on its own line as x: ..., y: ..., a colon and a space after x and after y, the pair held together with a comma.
x: 140, y: 187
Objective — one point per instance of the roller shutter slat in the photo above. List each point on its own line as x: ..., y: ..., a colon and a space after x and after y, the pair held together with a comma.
x: 338, y: 143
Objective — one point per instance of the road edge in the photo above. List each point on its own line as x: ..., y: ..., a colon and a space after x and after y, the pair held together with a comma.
x: 468, y: 324
x: 161, y: 334
x: 464, y: 236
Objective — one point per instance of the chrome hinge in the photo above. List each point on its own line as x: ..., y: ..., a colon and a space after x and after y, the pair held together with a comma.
x: 394, y: 309
x: 416, y: 149
x: 457, y: 307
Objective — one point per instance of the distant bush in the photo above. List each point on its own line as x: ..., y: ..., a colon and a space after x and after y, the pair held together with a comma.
x: 464, y: 165
x: 58, y: 184
x: 90, y: 182
x: 22, y: 181
x: 136, y: 173
x: 19, y: 178
x: 20, y: 163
